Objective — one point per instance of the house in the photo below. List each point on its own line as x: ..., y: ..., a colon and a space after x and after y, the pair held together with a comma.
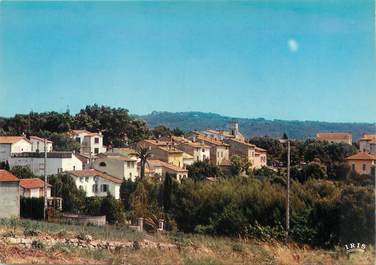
x: 187, y: 160
x: 199, y: 150
x: 9, y: 195
x: 57, y: 162
x: 91, y: 142
x: 221, y: 135
x: 362, y: 163
x: 334, y: 137
x: 255, y: 155
x: 368, y: 143
x: 33, y: 188
x: 121, y: 167
x: 219, y: 151
x: 96, y: 183
x: 37, y: 144
x: 165, y: 151
x: 13, y: 144
x: 160, y: 168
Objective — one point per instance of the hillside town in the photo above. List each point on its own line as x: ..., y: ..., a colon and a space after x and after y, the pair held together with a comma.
x: 98, y: 170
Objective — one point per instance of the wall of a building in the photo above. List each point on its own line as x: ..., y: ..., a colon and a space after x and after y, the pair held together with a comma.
x: 9, y: 199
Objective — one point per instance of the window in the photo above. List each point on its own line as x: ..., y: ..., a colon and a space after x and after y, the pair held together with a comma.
x: 102, y: 164
x: 96, y: 140
x: 128, y: 164
x: 104, y: 188
x: 59, y: 170
x: 96, y: 150
x: 203, y: 150
x: 74, y: 168
x: 353, y: 167
x: 87, y: 179
x: 78, y: 139
x: 364, y: 167
x: 130, y: 175
x: 81, y: 179
x: 95, y: 188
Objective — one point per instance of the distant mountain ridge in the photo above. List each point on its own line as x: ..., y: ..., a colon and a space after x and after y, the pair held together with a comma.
x: 189, y: 121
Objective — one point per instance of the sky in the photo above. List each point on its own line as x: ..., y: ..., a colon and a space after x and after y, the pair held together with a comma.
x: 291, y: 60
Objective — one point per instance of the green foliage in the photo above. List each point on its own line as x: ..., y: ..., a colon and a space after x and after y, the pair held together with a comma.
x: 200, y: 170
x: 239, y: 165
x: 31, y: 208
x: 167, y: 191
x: 126, y: 189
x: 92, y: 206
x: 61, y: 142
x: 112, y: 209
x: 37, y: 244
x: 63, y: 186
x: 22, y: 172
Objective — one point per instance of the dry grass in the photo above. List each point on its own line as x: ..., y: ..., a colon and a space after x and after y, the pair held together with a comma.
x: 192, y: 250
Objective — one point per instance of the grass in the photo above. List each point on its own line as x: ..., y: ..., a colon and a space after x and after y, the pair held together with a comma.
x: 192, y: 249
x: 107, y: 232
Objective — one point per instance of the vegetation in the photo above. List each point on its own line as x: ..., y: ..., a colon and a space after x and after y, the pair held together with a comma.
x: 117, y: 126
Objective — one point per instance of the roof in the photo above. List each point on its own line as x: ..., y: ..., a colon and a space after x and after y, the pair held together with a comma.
x: 259, y: 149
x: 361, y: 156
x: 120, y: 157
x: 33, y: 183
x: 242, y: 142
x: 187, y: 156
x: 156, y: 163
x: 94, y: 173
x: 368, y: 137
x: 39, y: 138
x: 210, y: 140
x: 156, y: 142
x: 333, y: 136
x: 170, y: 149
x: 6, y: 176
x: 87, y: 133
x: 11, y: 139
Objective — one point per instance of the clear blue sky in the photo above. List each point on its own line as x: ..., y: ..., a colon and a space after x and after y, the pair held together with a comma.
x: 301, y: 60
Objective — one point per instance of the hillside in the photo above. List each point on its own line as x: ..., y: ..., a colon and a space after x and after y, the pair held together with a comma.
x: 188, y: 121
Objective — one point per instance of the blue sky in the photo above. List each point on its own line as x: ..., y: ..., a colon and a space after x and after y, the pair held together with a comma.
x: 300, y: 60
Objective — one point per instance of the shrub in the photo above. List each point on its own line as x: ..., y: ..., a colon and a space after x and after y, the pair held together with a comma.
x: 37, y: 244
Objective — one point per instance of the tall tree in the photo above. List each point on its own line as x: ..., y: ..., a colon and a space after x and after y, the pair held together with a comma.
x: 144, y: 154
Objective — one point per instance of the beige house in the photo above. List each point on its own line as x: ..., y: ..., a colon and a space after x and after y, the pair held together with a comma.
x: 165, y: 151
x: 362, y: 163
x: 219, y: 151
x: 334, y: 137
x: 160, y: 168
x: 368, y: 143
x: 37, y: 144
x: 199, y: 150
x: 121, y: 167
x: 33, y: 188
x: 255, y: 155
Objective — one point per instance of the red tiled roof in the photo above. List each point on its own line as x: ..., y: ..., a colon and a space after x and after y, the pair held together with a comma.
x: 11, y: 139
x: 333, y: 136
x: 156, y: 163
x: 6, y: 176
x: 93, y: 172
x: 361, y: 156
x: 210, y: 140
x: 34, y: 183
x: 39, y: 138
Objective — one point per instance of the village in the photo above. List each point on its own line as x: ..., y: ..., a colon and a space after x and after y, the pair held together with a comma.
x: 98, y: 170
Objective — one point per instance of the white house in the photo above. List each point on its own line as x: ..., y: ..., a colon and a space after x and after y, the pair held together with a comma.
x: 37, y: 144
x: 91, y: 142
x: 33, y: 188
x: 96, y: 183
x: 13, y: 144
x: 121, y: 167
x: 57, y: 162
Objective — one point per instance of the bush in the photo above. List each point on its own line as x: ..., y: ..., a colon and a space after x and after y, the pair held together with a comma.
x: 32, y: 208
x: 37, y: 244
x: 112, y: 209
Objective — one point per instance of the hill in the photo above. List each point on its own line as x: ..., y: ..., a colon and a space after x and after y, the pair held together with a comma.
x: 188, y: 121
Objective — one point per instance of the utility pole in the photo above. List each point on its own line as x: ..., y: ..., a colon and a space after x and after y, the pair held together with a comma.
x: 288, y: 192
x: 45, y: 180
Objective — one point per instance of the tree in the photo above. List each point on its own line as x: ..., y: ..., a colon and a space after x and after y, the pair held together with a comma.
x: 64, y: 186
x: 139, y: 200
x: 126, y: 189
x: 167, y: 192
x: 161, y: 131
x: 144, y: 154
x: 239, y: 165
x: 22, y: 172
x: 112, y: 209
x: 201, y: 170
